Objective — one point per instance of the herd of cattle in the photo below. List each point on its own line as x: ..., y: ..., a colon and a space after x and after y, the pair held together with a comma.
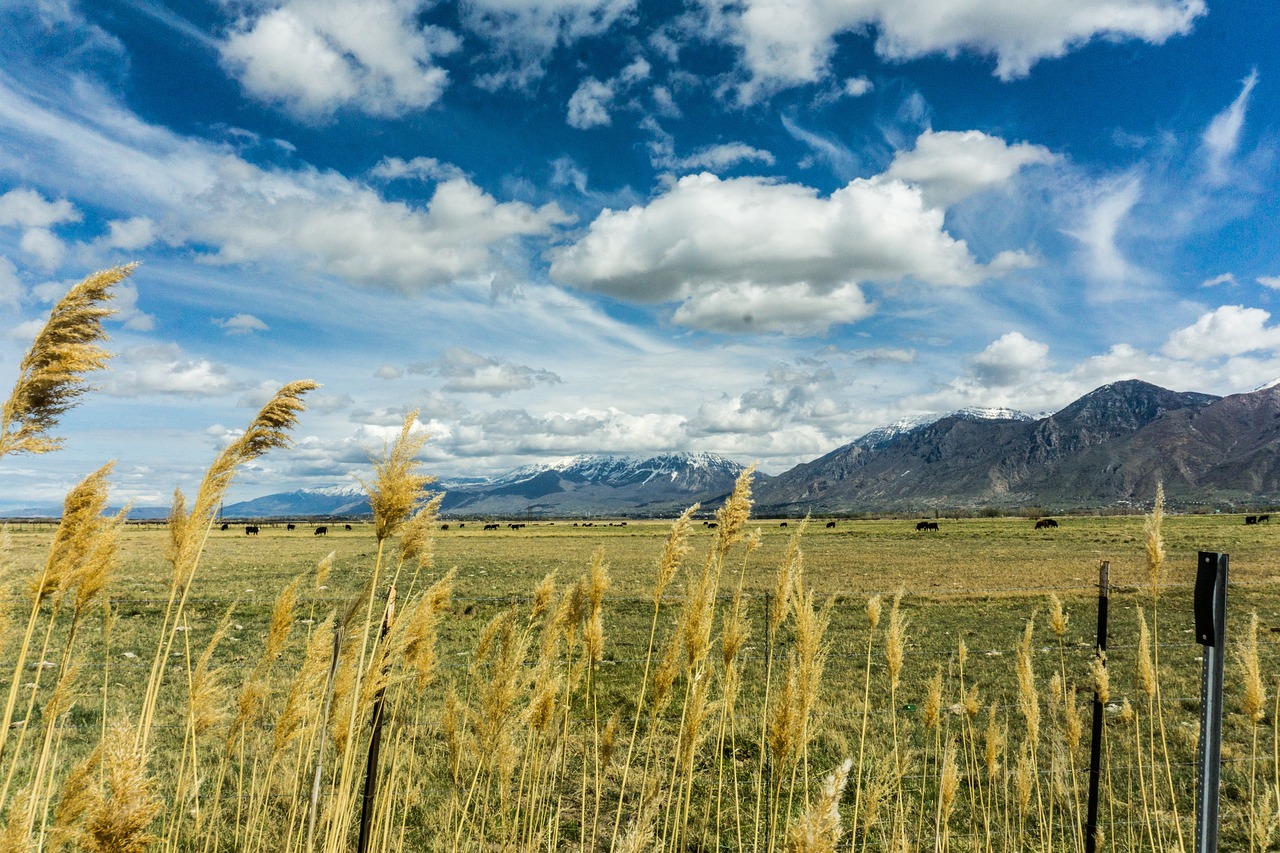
x: 921, y: 526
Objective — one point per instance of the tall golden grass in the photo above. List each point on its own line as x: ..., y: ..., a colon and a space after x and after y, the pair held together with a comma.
x: 538, y: 743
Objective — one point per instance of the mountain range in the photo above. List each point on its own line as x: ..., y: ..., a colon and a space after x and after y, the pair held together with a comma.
x: 1106, y: 450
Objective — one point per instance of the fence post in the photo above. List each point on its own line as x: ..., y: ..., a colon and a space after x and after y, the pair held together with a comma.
x: 1211, y: 632
x: 1095, y: 748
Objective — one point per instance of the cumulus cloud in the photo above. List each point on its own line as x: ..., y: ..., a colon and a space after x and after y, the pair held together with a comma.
x: 165, y: 370
x: 589, y: 105
x: 43, y: 247
x: 1222, y: 137
x: 469, y: 372
x: 949, y: 166
x: 1230, y: 330
x: 241, y: 324
x: 856, y: 87
x: 1009, y: 360
x: 26, y: 208
x: 131, y: 234
x: 317, y: 56
x: 749, y: 253
x: 1271, y: 281
x: 784, y: 43
x: 522, y: 35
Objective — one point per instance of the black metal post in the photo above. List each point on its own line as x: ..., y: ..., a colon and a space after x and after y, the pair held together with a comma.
x: 1211, y: 632
x: 1095, y: 748
x: 375, y: 742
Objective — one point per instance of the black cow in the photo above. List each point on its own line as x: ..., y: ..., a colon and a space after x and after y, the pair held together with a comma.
x: 226, y: 526
x: 830, y: 524
x: 782, y: 524
x: 491, y: 527
x: 444, y: 527
x: 1250, y: 519
x: 926, y: 525
x: 346, y: 527
x: 250, y: 530
x: 1045, y: 522
x: 321, y: 531
x: 1264, y: 519
x: 291, y: 527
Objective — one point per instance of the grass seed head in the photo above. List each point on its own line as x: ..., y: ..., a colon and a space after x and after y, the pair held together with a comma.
x: 397, y: 482
x: 1253, y: 702
x: 732, y: 517
x: 818, y: 829
x: 1057, y: 617
x: 51, y: 376
x: 118, y: 818
x: 874, y: 604
x: 933, y: 700
x: 416, y: 542
x: 674, y: 551
x: 1146, y: 669
x: 1155, y: 543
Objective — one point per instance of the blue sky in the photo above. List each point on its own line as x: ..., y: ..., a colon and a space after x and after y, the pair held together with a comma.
x: 759, y: 228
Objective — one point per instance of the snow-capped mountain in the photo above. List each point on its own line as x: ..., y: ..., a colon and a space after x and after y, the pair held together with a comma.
x: 882, y: 435
x: 588, y: 485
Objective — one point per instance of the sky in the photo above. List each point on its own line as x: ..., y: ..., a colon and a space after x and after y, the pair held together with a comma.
x: 758, y: 228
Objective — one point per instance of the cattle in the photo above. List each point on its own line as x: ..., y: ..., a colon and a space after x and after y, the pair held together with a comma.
x: 346, y: 527
x: 491, y: 527
x: 321, y: 531
x: 926, y: 525
x: 226, y: 526
x: 830, y: 524
x: 1045, y: 522
x: 515, y: 526
x: 782, y: 524
x: 291, y: 527
x: 711, y: 524
x: 250, y: 530
x: 444, y: 527
x: 1250, y: 519
x: 1264, y: 519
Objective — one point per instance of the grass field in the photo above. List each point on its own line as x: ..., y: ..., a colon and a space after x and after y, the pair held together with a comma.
x: 975, y: 581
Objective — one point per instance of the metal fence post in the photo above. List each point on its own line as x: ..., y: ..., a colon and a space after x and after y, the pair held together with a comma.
x: 1095, y: 748
x: 1211, y: 632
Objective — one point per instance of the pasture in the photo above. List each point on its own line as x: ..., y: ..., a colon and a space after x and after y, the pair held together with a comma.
x: 974, y: 583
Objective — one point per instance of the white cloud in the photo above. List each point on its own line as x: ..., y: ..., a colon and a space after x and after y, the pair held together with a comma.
x: 319, y: 220
x: 856, y: 87
x: 317, y: 56
x: 717, y: 158
x: 26, y: 208
x: 241, y: 324
x: 165, y: 370
x: 1222, y: 137
x: 1271, y: 281
x: 1230, y: 330
x: 1225, y: 278
x: 469, y: 372
x: 566, y: 173
x: 949, y: 166
x: 1009, y: 360
x: 10, y: 286
x: 786, y: 43
x: 589, y: 105
x: 44, y: 248
x: 131, y: 234
x: 724, y: 247
x: 421, y: 168
x: 793, y: 309
x: 1101, y: 227
x: 521, y: 34
x: 388, y: 371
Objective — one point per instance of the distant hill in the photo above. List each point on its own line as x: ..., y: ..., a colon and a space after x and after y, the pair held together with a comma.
x: 1107, y: 449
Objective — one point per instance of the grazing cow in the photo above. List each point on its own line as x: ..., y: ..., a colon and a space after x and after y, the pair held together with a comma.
x: 1250, y: 519
x: 346, y: 527
x: 321, y: 531
x: 291, y: 527
x: 1264, y: 519
x: 830, y: 524
x: 226, y: 526
x: 462, y: 525
x: 250, y: 530
x: 1045, y: 522
x: 711, y: 524
x: 444, y: 527
x: 926, y: 525
x: 491, y: 527
x: 782, y: 524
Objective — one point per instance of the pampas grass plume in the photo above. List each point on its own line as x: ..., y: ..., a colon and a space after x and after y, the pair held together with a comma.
x: 397, y: 482
x: 51, y: 374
